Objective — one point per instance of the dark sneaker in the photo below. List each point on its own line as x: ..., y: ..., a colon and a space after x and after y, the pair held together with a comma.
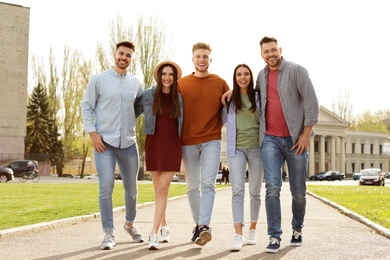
x: 296, y: 239
x: 195, y: 233
x: 273, y: 246
x: 204, y: 235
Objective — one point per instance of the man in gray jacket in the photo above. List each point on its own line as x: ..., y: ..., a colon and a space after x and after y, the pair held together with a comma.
x: 289, y: 109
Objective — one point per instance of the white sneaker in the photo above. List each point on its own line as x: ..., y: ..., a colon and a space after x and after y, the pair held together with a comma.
x: 108, y: 241
x: 153, y: 242
x: 238, y: 242
x: 252, y: 237
x: 164, y: 234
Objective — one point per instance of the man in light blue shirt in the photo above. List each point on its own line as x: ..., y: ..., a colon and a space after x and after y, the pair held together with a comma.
x: 108, y: 107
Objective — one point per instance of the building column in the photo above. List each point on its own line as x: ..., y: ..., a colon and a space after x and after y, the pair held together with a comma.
x: 342, y: 155
x: 322, y: 153
x: 311, y: 157
x: 333, y: 153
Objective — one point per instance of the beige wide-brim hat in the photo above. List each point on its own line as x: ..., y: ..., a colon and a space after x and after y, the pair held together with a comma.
x: 167, y: 62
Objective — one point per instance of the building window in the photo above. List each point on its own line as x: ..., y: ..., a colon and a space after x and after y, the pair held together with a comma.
x: 371, y: 148
x: 353, y: 167
x: 380, y: 166
x: 316, y: 146
x: 372, y: 165
x: 362, y: 166
x: 362, y: 148
x: 353, y: 147
x: 380, y: 149
x: 326, y: 147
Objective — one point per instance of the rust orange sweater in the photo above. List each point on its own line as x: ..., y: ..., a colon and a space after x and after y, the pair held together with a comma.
x: 202, y: 120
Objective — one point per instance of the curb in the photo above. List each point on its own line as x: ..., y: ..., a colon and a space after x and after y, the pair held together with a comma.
x: 377, y: 228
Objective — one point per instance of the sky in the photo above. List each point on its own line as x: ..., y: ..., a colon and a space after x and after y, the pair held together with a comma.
x: 344, y: 45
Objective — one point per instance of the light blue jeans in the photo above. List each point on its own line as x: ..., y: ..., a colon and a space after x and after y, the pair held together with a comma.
x: 275, y: 150
x: 237, y: 169
x: 128, y: 163
x: 201, y: 163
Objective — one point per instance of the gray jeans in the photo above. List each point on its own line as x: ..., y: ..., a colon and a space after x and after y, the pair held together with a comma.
x: 237, y: 169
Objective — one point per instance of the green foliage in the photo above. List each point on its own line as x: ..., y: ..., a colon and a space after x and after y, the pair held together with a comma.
x: 371, y: 122
x: 38, y: 120
x: 31, y: 203
x: 371, y: 202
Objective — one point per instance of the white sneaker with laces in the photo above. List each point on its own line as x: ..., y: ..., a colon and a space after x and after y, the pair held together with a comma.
x: 153, y: 242
x: 108, y: 241
x: 238, y: 242
x: 252, y: 237
x: 164, y: 234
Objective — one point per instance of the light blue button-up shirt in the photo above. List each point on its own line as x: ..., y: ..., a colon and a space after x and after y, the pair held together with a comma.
x: 108, y: 107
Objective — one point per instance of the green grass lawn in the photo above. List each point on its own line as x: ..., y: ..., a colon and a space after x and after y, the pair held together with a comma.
x: 29, y: 203
x: 371, y: 202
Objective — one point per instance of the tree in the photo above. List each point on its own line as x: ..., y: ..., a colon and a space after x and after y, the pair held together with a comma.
x: 370, y: 122
x: 56, y: 150
x: 343, y: 108
x: 64, y: 102
x: 37, y: 130
x: 85, y: 74
x: 72, y: 89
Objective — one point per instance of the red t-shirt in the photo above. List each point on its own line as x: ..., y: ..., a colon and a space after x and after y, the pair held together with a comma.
x: 276, y: 124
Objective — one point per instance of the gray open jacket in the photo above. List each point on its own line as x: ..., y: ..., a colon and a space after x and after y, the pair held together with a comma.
x: 150, y: 119
x: 297, y: 96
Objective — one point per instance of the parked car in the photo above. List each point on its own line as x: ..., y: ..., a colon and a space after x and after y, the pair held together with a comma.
x: 356, y: 176
x: 331, y: 176
x: 90, y: 176
x: 6, y: 174
x: 118, y: 176
x: 387, y: 175
x: 19, y: 166
x: 372, y: 176
x: 175, y: 178
x: 67, y: 175
x: 219, y: 176
x: 316, y: 176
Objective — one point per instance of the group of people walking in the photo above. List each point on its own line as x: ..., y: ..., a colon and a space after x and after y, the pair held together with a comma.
x: 267, y: 123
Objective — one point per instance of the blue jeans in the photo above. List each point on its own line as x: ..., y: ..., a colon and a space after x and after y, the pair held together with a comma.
x: 201, y: 163
x: 128, y: 163
x: 275, y: 150
x: 237, y: 168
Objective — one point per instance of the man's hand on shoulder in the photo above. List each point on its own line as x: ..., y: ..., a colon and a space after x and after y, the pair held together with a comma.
x: 226, y: 97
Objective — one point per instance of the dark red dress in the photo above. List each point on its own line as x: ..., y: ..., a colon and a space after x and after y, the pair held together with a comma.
x: 163, y: 149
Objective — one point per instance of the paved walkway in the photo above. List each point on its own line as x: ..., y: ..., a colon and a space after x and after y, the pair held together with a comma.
x: 328, y: 234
